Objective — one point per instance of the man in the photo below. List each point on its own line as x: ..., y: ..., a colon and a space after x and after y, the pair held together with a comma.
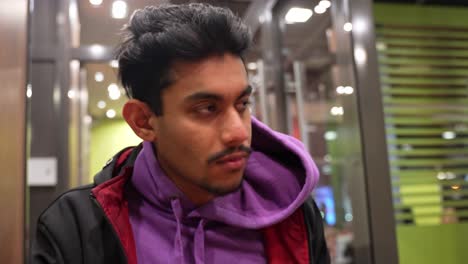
x: 209, y: 184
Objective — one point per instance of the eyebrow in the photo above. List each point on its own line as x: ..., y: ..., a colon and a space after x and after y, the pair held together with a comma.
x: 207, y: 96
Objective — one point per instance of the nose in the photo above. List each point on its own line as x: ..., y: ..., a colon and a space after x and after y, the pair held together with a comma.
x: 235, y: 128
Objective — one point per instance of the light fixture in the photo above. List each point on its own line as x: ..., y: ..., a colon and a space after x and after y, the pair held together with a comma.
x: 330, y: 135
x: 71, y: 94
x: 29, y: 91
x: 344, y: 90
x: 119, y: 9
x: 114, y: 91
x: 320, y: 9
x: 381, y: 46
x: 450, y: 175
x: 252, y: 66
x: 449, y: 135
x: 360, y: 55
x: 348, y: 27
x: 325, y: 3
x: 455, y: 187
x: 97, y: 50
x: 337, y: 110
x: 348, y: 90
x: 95, y: 2
x: 340, y: 90
x: 101, y: 104
x: 99, y: 77
x: 298, y: 15
x: 441, y: 175
x: 114, y: 63
x: 110, y: 113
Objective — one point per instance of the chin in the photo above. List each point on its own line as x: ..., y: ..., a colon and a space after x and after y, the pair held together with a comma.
x: 226, y: 189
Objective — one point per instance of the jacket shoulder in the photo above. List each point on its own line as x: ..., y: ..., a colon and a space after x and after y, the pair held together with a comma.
x: 318, y: 251
x: 73, y: 229
x: 67, y: 203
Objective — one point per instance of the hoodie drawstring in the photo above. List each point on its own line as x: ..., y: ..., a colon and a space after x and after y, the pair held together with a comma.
x: 178, y: 246
x: 199, y: 245
x: 199, y: 240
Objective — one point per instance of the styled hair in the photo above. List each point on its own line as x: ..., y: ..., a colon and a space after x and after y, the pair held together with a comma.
x: 158, y: 36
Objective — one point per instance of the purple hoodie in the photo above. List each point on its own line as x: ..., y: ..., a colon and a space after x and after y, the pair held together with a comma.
x: 168, y: 228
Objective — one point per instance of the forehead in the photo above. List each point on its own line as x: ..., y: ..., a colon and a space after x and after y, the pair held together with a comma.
x: 221, y: 73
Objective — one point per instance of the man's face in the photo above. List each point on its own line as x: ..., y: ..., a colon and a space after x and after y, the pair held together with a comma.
x: 204, y: 133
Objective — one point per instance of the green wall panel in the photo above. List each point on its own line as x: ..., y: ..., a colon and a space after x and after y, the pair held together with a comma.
x: 433, y: 244
x: 107, y: 138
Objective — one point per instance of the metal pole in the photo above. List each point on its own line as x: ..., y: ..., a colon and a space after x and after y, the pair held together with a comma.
x: 262, y: 93
x: 299, y: 83
x: 371, y: 119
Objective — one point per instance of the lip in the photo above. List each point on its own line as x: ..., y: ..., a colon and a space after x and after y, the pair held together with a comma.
x: 235, y: 161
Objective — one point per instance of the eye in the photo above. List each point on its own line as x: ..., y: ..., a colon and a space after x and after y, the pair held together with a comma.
x: 243, y: 105
x: 207, y: 109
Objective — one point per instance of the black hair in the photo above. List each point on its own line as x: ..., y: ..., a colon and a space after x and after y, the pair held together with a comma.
x: 157, y: 36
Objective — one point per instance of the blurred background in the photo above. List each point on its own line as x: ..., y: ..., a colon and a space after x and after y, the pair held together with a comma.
x: 376, y: 90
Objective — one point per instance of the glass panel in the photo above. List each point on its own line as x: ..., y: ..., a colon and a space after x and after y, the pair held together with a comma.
x: 423, y: 69
x: 322, y: 113
x: 106, y: 130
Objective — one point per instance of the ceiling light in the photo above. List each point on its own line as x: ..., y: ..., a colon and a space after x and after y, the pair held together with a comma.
x: 97, y: 50
x: 320, y: 9
x: 114, y: 91
x: 119, y: 9
x: 95, y: 2
x: 348, y: 90
x: 101, y: 104
x: 298, y: 15
x: 325, y: 3
x: 337, y: 110
x: 252, y: 66
x: 340, y: 90
x: 99, y: 77
x: 348, y: 27
x: 110, y: 113
x: 114, y: 63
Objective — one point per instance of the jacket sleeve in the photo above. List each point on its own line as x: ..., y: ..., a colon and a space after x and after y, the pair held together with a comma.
x: 318, y: 250
x: 44, y: 248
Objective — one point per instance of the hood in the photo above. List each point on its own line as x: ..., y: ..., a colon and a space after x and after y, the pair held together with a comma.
x: 279, y: 177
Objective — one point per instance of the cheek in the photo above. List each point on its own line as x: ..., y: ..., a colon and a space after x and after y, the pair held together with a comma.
x: 249, y: 130
x: 186, y: 142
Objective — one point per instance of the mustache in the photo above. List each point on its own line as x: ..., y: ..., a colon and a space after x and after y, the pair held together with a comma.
x: 229, y: 151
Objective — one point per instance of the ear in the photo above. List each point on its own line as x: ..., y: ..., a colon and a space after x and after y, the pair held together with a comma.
x: 138, y: 116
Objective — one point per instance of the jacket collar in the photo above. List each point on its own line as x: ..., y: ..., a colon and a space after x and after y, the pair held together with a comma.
x: 117, y: 164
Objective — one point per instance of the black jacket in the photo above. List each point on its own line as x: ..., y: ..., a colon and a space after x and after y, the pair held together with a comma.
x: 75, y: 229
